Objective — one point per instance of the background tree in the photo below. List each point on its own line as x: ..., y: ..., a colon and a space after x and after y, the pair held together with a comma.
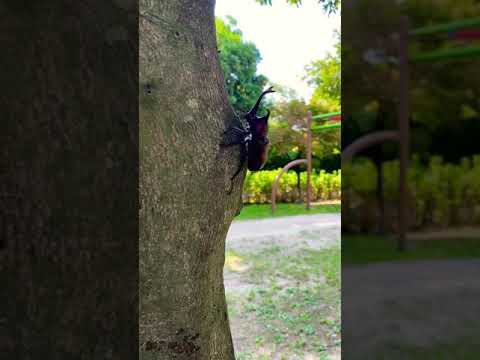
x: 289, y: 140
x: 289, y: 117
x: 287, y: 137
x: 325, y: 76
x: 239, y: 60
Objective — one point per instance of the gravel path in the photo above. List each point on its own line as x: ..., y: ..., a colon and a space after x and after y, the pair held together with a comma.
x: 314, y: 231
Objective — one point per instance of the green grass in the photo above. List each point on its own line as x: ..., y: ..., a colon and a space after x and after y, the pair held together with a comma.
x: 262, y: 211
x: 371, y: 249
x: 269, y: 264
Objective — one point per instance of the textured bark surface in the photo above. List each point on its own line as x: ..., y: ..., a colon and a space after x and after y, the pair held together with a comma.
x: 68, y: 180
x: 185, y: 207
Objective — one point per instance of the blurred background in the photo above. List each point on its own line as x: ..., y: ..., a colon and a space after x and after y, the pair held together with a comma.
x: 410, y: 79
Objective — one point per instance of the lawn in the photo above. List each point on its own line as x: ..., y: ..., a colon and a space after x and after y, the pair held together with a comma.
x: 262, y: 211
x: 365, y: 249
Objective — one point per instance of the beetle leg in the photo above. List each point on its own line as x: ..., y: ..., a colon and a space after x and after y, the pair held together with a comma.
x: 237, y: 137
x: 243, y: 158
x: 234, y: 128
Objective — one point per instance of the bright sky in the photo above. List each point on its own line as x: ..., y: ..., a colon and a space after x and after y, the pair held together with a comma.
x: 287, y: 36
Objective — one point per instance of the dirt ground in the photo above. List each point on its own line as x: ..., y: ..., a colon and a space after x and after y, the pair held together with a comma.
x: 283, y: 288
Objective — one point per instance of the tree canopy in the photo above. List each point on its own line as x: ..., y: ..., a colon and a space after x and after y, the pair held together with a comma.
x: 239, y: 60
x: 325, y: 76
x: 288, y: 136
x: 289, y: 116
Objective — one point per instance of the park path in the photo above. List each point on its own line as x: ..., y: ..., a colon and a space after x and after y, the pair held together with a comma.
x: 410, y: 304
x: 252, y: 234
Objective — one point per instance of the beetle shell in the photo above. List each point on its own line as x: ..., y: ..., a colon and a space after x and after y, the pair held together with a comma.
x: 258, y: 147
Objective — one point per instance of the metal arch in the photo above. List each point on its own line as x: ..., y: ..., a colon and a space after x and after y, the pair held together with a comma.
x: 277, y: 179
x: 367, y: 141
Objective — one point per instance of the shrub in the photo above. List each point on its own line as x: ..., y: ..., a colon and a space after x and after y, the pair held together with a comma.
x: 257, y: 187
x: 441, y: 194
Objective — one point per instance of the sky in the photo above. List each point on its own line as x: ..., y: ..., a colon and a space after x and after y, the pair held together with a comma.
x: 288, y: 37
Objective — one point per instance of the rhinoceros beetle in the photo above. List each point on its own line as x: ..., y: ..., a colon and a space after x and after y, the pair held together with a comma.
x: 252, y: 136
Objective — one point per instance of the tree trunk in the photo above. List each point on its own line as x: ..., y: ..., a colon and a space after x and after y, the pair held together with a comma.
x: 299, y: 188
x: 378, y: 162
x: 380, y: 194
x: 185, y: 204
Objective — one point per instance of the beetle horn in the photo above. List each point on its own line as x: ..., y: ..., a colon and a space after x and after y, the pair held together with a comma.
x: 254, y: 110
x: 266, y: 116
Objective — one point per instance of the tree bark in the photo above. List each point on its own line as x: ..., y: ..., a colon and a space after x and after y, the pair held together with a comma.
x: 185, y: 204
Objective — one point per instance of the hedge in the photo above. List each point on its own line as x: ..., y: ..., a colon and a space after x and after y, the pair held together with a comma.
x: 441, y: 194
x: 258, y: 186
